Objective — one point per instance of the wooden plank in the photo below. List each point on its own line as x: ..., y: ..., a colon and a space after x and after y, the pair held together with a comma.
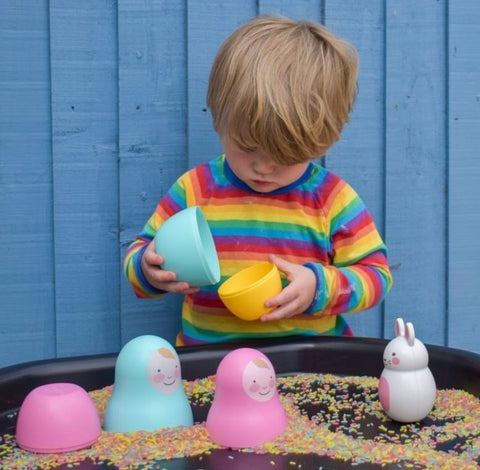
x: 416, y: 165
x: 162, y: 129
x: 359, y: 155
x: 299, y: 10
x: 27, y: 308
x: 153, y: 148
x: 203, y: 142
x: 85, y: 169
x: 464, y: 175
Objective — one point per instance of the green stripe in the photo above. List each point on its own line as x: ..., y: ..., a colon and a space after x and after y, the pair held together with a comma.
x: 202, y: 334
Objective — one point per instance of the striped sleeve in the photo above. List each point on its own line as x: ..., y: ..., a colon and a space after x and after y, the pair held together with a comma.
x: 358, y: 276
x: 171, y: 203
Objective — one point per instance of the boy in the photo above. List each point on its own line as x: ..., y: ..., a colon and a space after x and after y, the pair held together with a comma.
x: 280, y: 92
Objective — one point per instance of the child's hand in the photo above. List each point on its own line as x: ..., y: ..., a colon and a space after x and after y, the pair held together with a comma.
x: 297, y: 296
x: 157, y: 277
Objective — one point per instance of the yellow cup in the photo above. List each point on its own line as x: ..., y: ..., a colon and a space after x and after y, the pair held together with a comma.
x: 246, y: 292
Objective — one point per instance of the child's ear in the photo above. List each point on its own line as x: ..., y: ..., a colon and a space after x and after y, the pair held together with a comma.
x: 399, y: 327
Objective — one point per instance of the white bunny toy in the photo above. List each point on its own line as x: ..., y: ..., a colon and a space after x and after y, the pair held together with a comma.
x: 407, y: 388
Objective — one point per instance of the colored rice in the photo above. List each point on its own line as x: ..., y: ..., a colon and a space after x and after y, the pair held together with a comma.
x: 332, y: 416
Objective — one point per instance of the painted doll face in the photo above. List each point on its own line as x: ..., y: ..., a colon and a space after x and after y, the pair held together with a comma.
x: 259, y: 380
x: 163, y: 371
x: 400, y: 356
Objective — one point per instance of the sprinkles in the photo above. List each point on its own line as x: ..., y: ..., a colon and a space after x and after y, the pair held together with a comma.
x: 336, y: 417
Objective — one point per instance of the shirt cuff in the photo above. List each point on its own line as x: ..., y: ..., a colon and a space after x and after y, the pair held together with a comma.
x: 320, y: 278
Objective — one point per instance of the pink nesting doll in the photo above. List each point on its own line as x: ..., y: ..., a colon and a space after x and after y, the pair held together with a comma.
x: 246, y: 410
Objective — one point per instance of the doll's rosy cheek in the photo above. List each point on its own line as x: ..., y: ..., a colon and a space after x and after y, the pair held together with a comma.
x: 158, y: 378
x: 271, y: 384
x: 254, y: 388
x: 177, y: 374
x: 396, y: 361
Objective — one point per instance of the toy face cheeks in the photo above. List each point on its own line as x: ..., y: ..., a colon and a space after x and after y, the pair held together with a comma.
x: 393, y: 360
x: 164, y: 373
x: 259, y: 382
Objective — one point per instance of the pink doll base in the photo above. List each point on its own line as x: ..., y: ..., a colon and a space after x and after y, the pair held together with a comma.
x: 246, y: 410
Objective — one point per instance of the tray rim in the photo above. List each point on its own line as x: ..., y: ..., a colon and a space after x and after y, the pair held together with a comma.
x: 323, y: 354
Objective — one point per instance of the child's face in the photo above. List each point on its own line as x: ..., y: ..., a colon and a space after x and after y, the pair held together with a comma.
x: 258, y: 170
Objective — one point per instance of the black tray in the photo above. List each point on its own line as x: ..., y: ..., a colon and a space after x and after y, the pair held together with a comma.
x: 452, y: 368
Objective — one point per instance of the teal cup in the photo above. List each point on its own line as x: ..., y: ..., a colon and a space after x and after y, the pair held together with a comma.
x: 186, y: 244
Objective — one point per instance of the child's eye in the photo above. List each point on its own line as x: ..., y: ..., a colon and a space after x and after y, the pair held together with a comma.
x: 245, y: 148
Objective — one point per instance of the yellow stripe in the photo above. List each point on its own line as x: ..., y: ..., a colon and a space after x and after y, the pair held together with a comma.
x: 190, y: 193
x: 366, y: 244
x: 342, y: 199
x: 155, y: 221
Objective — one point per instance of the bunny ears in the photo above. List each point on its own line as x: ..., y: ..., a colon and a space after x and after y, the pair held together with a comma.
x: 405, y: 330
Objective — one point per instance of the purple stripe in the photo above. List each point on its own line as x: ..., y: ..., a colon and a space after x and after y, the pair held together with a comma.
x: 169, y: 202
x: 356, y: 220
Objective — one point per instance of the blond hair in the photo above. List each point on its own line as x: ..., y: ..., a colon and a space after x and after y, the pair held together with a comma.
x: 283, y: 85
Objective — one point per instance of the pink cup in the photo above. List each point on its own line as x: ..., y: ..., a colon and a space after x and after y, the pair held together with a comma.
x: 56, y: 418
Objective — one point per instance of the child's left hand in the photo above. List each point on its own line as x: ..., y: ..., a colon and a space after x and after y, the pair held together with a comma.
x: 297, y: 296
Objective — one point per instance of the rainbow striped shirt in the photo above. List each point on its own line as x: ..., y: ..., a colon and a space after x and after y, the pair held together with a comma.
x: 318, y: 221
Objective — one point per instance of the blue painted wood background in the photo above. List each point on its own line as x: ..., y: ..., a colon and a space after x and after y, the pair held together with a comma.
x: 102, y: 106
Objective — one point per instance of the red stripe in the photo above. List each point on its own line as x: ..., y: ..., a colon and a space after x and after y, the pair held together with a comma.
x: 312, y: 254
x: 358, y: 230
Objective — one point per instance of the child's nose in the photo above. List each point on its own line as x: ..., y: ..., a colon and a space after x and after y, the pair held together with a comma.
x: 264, y: 165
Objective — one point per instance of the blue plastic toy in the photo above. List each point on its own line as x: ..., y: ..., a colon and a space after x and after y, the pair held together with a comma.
x: 148, y: 392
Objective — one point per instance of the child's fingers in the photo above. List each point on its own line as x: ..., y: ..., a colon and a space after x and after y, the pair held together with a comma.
x: 165, y: 276
x: 284, y: 311
x: 166, y: 281
x: 280, y: 263
x: 151, y: 257
x: 285, y: 304
x: 191, y: 290
x: 180, y: 287
x: 286, y: 296
x: 284, y: 266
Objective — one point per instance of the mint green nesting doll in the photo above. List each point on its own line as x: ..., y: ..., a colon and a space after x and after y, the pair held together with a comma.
x: 148, y: 392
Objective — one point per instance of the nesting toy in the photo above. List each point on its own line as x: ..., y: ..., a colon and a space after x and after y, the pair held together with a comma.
x: 246, y: 410
x: 407, y: 388
x: 148, y: 392
x: 56, y: 418
x: 246, y: 292
x: 187, y: 246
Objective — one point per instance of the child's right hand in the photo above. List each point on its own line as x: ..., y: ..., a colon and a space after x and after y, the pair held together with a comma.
x: 157, y: 277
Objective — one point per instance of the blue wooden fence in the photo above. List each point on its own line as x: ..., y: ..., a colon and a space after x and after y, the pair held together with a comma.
x: 102, y: 106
